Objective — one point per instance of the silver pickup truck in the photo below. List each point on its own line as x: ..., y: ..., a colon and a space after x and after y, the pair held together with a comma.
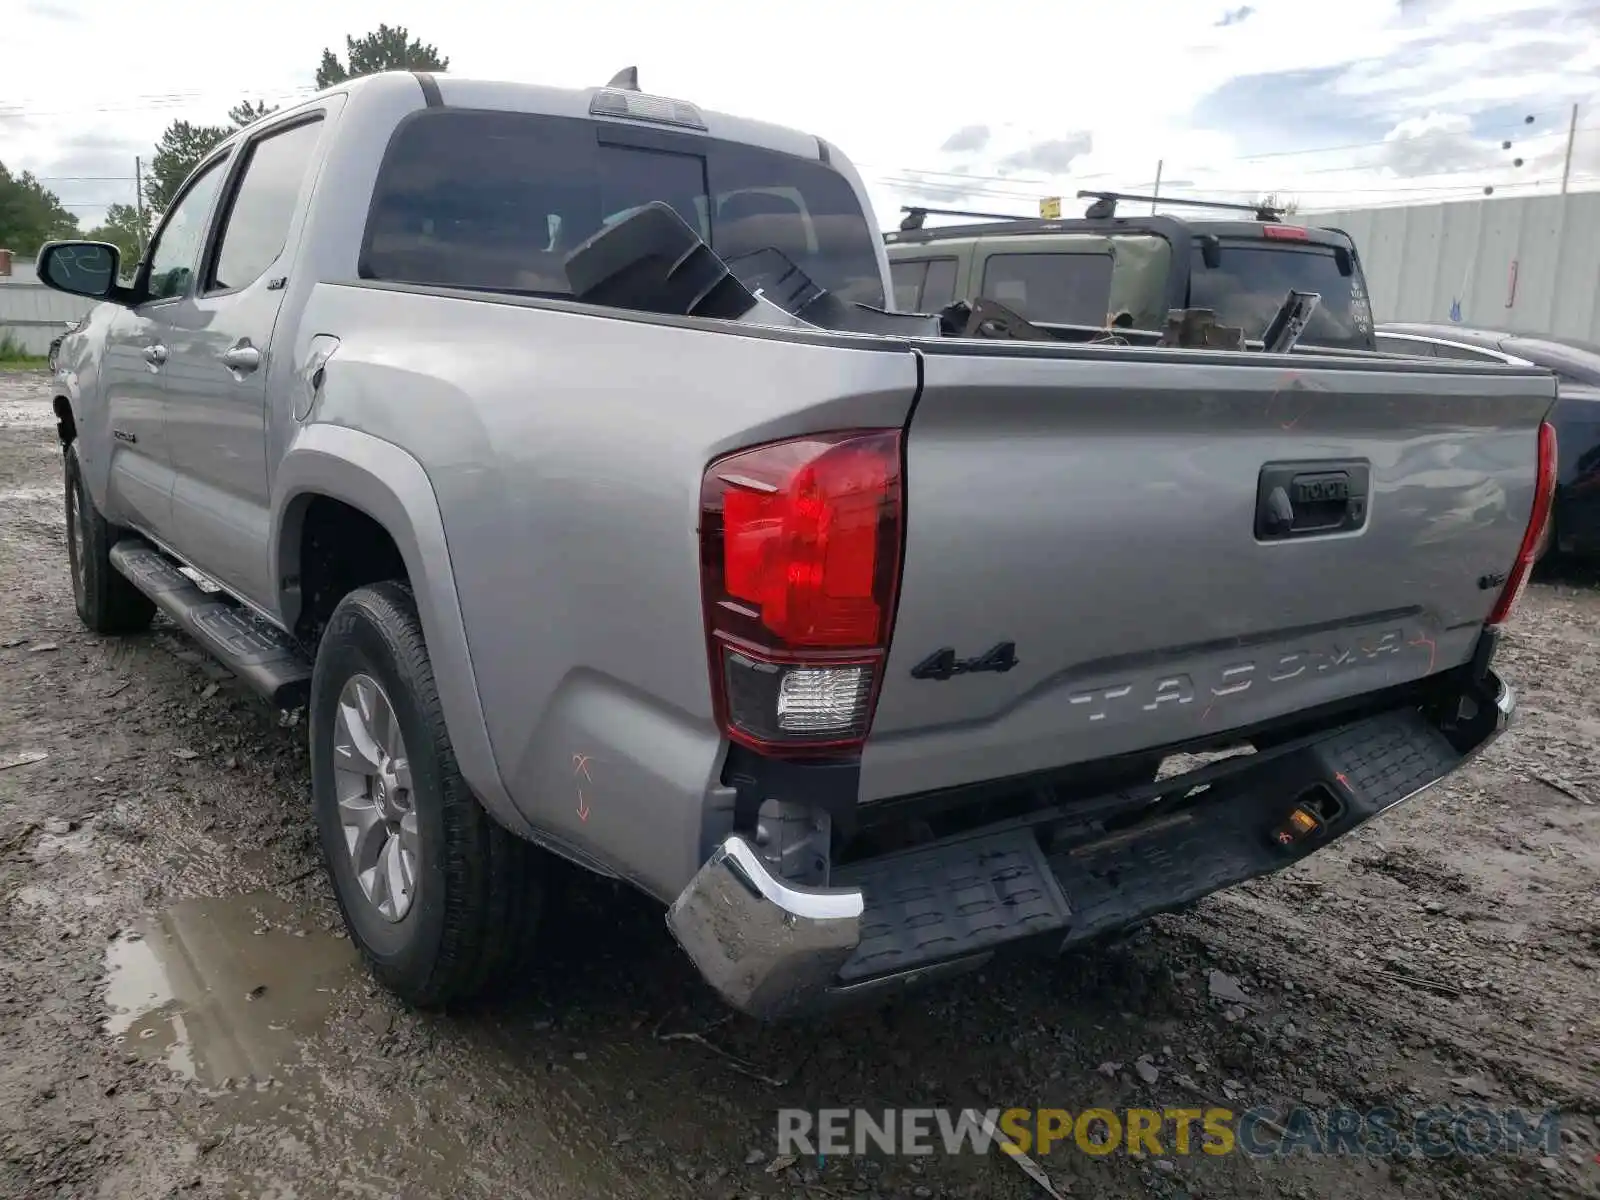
x: 872, y: 654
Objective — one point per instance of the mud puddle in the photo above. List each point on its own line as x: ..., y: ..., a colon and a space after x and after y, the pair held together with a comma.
x: 291, y: 1051
x: 224, y: 991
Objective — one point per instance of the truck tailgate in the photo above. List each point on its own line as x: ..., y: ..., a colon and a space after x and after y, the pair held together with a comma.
x: 1110, y: 515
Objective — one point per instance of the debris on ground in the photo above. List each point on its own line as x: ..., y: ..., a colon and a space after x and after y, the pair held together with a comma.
x: 22, y: 758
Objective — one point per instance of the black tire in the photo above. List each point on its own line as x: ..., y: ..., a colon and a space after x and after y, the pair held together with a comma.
x: 478, y: 890
x: 106, y: 601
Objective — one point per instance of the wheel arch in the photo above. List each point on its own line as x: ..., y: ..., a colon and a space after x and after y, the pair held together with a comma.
x: 66, y: 419
x: 386, y: 485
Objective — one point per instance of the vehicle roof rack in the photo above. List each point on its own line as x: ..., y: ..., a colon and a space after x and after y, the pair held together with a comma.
x: 1105, y: 205
x: 625, y: 80
x: 916, y: 214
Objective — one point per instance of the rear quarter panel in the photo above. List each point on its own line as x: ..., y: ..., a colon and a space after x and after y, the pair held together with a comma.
x: 566, y: 452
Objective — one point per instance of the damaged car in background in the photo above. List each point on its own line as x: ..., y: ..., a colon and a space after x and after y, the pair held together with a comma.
x: 559, y: 451
x: 1114, y: 276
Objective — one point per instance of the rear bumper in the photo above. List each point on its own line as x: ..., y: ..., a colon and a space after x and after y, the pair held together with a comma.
x: 773, y: 949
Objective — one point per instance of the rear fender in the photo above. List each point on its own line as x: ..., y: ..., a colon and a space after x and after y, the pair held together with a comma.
x: 390, y: 486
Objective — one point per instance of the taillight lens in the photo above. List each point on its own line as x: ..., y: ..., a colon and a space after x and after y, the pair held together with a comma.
x: 1533, y: 538
x: 1286, y: 233
x: 800, y: 561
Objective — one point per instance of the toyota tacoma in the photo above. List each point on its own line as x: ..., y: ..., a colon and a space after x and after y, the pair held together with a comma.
x: 561, y: 454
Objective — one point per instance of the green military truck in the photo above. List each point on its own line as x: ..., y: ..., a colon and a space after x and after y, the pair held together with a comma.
x: 1126, y: 273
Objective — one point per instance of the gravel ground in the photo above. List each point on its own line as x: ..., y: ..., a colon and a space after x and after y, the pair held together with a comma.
x: 181, y: 1015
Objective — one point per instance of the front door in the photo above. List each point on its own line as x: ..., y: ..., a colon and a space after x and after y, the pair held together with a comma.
x: 218, y: 366
x: 134, y: 370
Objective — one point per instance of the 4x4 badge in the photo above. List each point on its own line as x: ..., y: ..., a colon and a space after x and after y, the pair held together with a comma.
x: 942, y: 664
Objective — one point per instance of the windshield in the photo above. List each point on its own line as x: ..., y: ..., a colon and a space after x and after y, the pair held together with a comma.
x: 497, y: 200
x: 1252, y: 279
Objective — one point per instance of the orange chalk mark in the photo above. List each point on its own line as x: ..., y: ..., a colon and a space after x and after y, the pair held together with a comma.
x: 580, y: 766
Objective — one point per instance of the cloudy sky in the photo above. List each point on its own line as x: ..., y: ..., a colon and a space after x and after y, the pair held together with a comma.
x: 958, y: 104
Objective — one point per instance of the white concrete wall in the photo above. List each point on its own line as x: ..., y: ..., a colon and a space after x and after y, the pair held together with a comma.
x: 30, y: 313
x: 1421, y: 260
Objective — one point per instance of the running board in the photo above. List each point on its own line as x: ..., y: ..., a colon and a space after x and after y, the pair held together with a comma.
x: 257, y: 652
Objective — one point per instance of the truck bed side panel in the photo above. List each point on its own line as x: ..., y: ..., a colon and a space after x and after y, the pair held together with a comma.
x: 566, y: 451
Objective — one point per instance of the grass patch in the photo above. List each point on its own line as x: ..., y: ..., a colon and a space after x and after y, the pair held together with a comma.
x: 14, y: 357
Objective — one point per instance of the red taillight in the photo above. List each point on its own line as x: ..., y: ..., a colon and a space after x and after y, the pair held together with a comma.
x: 1285, y: 233
x: 800, y: 560
x: 1533, y: 537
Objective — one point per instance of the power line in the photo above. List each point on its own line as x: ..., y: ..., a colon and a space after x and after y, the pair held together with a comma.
x: 1333, y: 199
x: 139, y: 98
x: 955, y: 188
x: 1381, y: 142
x: 160, y: 104
x: 1048, y: 179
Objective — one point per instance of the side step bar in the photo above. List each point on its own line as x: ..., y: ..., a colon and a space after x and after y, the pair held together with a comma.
x: 262, y: 655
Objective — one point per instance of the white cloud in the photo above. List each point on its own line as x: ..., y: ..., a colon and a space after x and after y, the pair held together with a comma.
x: 896, y: 85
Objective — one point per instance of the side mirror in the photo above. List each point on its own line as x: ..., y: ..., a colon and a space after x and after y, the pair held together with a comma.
x: 80, y: 268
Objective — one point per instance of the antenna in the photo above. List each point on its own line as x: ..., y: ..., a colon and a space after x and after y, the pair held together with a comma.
x: 626, y: 80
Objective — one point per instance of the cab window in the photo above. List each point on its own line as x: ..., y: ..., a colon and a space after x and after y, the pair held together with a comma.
x: 1056, y: 289
x: 176, y: 253
x: 497, y: 200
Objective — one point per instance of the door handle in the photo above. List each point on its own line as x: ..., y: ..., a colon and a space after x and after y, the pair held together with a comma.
x: 1307, y: 499
x: 155, y: 354
x: 242, y: 358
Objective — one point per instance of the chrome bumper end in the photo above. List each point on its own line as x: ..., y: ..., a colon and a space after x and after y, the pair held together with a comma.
x: 768, y: 947
x: 1505, y: 715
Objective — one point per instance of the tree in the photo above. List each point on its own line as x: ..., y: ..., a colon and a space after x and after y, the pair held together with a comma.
x: 126, y: 228
x: 385, y: 49
x: 30, y: 213
x: 179, y: 151
x: 182, y: 147
x: 248, y: 112
x: 1287, y: 205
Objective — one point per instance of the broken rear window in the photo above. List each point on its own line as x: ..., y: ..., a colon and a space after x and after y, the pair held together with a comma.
x: 1252, y: 280
x: 496, y: 201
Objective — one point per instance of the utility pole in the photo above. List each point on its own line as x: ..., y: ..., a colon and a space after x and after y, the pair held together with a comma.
x: 138, y: 198
x: 1155, y: 195
x: 1572, y: 136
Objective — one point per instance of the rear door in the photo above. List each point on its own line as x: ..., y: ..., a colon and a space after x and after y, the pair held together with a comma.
x: 1102, y: 513
x: 220, y: 351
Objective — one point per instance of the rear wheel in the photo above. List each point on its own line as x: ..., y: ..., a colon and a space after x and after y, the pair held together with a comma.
x: 106, y: 601
x: 442, y: 901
